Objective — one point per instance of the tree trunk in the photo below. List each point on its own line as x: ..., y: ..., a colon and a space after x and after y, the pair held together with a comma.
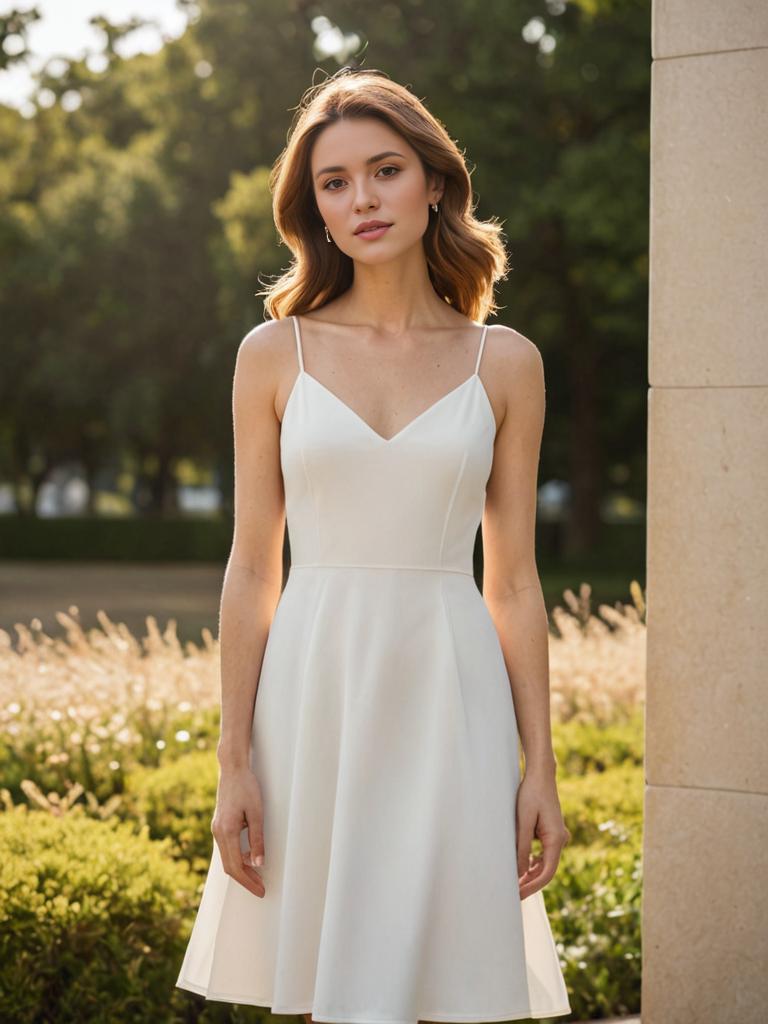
x: 583, y: 524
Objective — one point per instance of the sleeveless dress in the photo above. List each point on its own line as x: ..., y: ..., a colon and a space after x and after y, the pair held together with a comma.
x: 385, y: 742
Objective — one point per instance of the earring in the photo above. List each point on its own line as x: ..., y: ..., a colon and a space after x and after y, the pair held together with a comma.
x: 434, y: 207
x: 327, y: 234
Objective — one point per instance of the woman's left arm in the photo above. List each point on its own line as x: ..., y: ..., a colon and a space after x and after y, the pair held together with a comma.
x: 513, y: 594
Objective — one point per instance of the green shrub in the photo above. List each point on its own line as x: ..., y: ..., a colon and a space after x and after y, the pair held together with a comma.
x: 177, y: 801
x: 56, y: 752
x: 594, y: 900
x: 594, y: 907
x: 581, y: 747
x: 94, y: 920
x: 96, y: 913
x: 603, y: 806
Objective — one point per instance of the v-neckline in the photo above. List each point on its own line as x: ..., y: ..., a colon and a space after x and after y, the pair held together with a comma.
x: 408, y: 425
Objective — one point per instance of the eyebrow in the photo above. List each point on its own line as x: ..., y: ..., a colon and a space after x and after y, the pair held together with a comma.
x: 370, y: 160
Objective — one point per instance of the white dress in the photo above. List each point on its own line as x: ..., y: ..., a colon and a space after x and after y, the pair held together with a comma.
x: 385, y: 742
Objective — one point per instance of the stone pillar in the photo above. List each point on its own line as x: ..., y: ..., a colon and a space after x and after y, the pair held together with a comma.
x: 705, y: 897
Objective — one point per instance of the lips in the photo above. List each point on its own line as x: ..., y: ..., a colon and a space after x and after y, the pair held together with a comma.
x: 370, y: 225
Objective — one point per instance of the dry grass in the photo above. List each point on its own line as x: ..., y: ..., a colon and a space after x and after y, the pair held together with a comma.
x: 89, y: 705
x: 597, y: 662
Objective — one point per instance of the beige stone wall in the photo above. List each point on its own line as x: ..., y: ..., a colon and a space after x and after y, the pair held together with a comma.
x: 705, y: 899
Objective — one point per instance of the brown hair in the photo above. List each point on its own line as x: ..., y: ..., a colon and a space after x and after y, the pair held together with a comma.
x: 465, y: 256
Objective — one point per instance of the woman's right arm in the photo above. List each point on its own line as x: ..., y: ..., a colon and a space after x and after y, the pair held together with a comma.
x: 251, y: 590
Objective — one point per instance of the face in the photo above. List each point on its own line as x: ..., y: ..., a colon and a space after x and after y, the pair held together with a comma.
x: 351, y: 188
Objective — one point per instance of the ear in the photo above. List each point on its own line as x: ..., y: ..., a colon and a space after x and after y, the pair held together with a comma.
x: 438, y: 187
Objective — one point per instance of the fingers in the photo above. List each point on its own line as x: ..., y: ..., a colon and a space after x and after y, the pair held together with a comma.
x: 237, y: 868
x: 538, y: 874
x: 524, y: 834
x: 542, y: 867
x: 532, y: 875
x: 236, y: 862
x: 256, y: 843
x: 252, y: 873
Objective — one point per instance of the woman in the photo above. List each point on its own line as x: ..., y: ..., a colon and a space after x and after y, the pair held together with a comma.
x: 372, y: 856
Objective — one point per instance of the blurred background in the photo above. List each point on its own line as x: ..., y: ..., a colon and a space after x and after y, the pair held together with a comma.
x: 136, y: 138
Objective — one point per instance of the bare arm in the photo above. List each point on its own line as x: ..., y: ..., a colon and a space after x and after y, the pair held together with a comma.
x: 511, y: 585
x: 513, y: 594
x: 251, y: 590
x: 254, y: 571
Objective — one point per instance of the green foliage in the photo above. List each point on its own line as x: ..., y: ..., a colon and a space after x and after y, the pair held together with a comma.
x: 603, y: 806
x: 126, y: 539
x: 56, y: 754
x: 93, y: 920
x: 136, y: 228
x: 594, y: 900
x: 594, y: 907
x: 102, y: 907
x: 177, y: 801
x: 581, y: 747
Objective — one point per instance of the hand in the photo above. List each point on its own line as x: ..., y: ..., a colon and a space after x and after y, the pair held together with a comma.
x: 239, y: 804
x: 538, y: 814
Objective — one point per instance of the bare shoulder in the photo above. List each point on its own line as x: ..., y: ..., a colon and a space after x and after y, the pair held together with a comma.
x: 514, y: 369
x: 511, y: 352
x: 265, y: 347
x: 267, y: 363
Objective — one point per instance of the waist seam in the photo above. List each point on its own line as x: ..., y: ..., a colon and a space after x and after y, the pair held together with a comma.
x: 408, y: 568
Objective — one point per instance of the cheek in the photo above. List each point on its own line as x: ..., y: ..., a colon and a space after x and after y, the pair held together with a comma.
x: 411, y: 194
x: 331, y: 205
x: 320, y: 202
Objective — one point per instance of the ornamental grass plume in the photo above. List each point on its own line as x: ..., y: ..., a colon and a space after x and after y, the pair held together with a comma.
x: 93, y: 704
x: 90, y: 705
x: 597, y: 662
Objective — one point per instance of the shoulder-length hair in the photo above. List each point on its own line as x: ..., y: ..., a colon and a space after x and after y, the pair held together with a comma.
x: 465, y: 256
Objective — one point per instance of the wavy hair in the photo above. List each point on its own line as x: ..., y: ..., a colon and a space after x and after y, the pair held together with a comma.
x: 465, y: 256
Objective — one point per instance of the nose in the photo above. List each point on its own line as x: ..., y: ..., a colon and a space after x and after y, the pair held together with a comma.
x: 364, y: 199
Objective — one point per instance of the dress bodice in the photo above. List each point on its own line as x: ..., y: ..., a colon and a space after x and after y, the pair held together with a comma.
x: 356, y: 498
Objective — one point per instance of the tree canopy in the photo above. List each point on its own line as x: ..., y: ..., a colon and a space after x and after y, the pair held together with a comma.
x: 136, y: 219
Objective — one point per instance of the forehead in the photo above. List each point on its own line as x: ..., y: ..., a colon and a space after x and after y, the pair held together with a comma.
x: 353, y: 140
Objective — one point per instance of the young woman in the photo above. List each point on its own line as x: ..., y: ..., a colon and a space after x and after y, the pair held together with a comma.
x: 372, y: 858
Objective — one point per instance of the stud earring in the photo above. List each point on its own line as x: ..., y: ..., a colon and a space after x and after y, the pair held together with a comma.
x: 327, y: 234
x: 434, y: 207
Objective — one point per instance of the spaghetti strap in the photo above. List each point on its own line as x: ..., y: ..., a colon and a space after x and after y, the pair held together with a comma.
x: 297, y: 332
x: 480, y: 351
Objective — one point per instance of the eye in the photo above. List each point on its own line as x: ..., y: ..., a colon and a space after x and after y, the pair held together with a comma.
x: 386, y: 167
